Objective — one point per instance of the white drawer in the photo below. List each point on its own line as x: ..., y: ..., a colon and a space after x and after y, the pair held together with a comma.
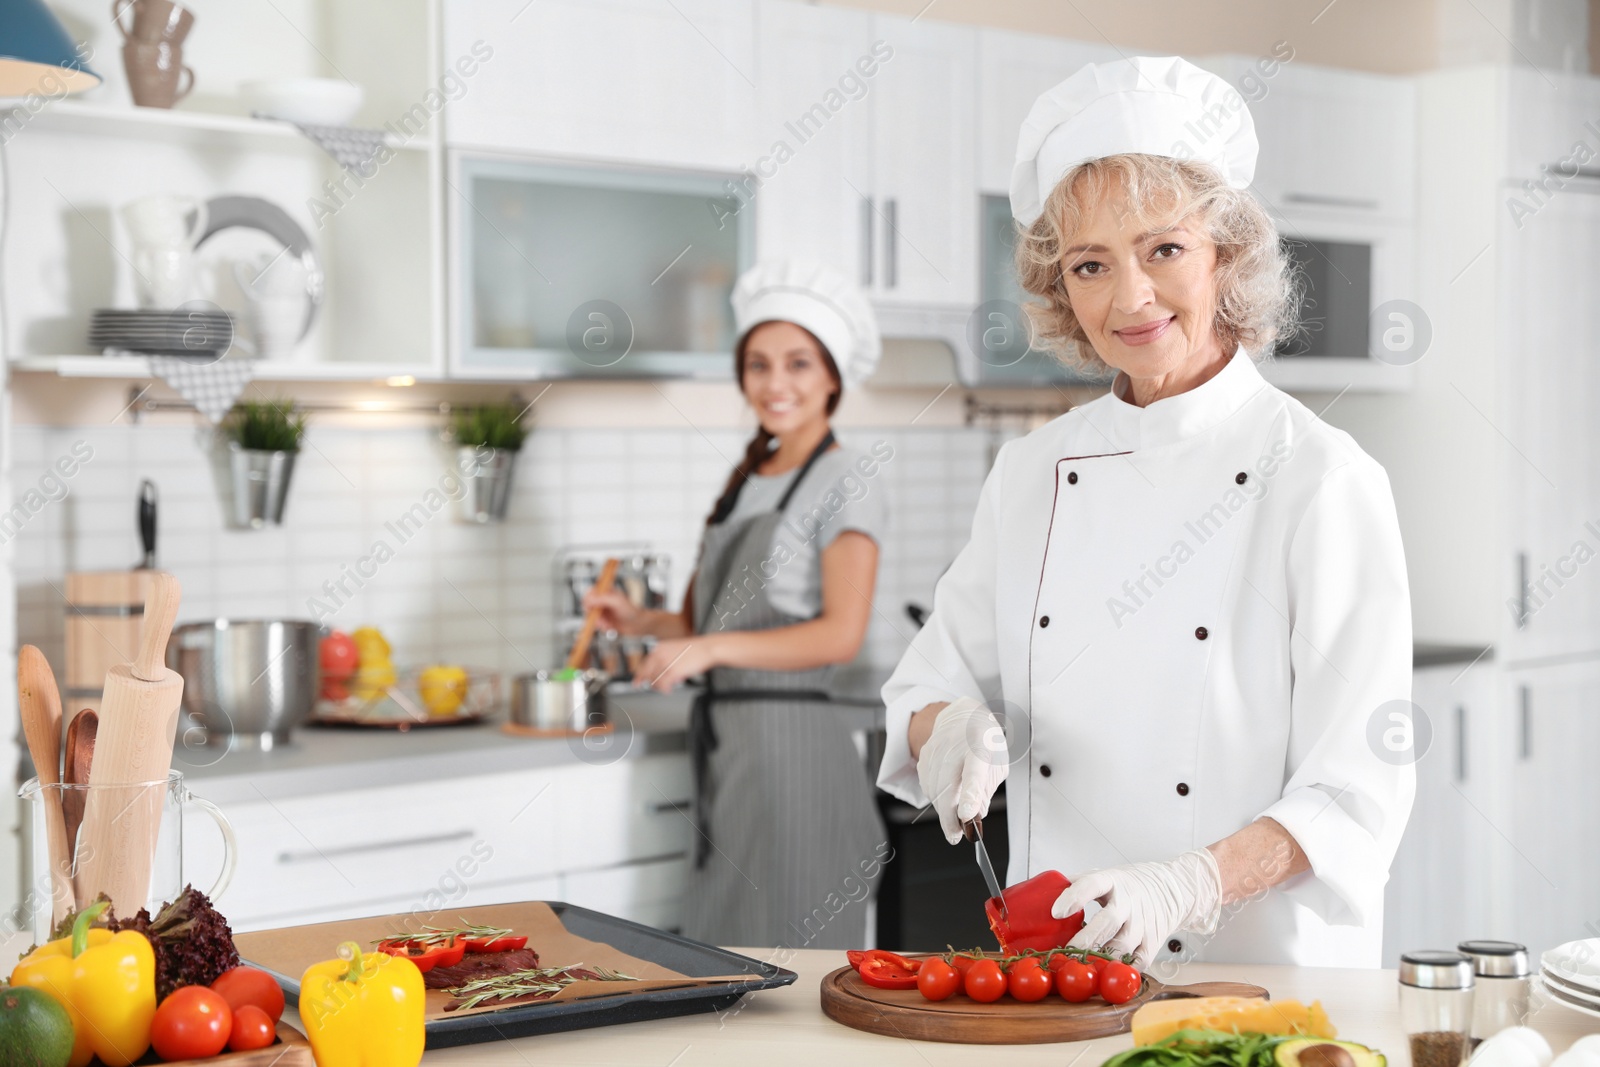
x: 649, y: 893
x: 625, y: 811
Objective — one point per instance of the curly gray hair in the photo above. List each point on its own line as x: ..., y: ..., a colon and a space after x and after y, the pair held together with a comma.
x: 1257, y: 287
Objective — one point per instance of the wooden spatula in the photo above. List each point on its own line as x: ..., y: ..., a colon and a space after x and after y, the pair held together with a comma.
x: 40, y: 703
x: 80, y: 758
x: 138, y: 719
x: 591, y: 618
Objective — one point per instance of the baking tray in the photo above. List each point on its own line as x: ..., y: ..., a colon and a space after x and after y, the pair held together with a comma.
x: 692, y: 958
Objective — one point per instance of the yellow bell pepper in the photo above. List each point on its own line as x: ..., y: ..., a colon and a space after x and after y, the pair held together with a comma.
x: 363, y: 1010
x: 443, y: 689
x: 107, y: 983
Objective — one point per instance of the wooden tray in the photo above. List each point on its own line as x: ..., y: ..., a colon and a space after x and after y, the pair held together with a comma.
x: 518, y: 730
x: 292, y: 1050
x: 907, y: 1013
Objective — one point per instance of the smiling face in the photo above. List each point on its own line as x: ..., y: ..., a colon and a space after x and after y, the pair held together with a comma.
x: 787, y: 378
x: 1146, y: 297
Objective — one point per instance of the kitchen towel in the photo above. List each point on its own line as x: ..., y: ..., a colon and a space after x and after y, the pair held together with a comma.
x: 211, y: 387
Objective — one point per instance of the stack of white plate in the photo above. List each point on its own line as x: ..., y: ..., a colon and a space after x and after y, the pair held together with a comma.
x: 1570, y: 974
x: 203, y: 334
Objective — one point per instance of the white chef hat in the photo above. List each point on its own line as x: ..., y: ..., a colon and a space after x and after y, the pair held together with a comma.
x: 1154, y: 106
x: 818, y: 298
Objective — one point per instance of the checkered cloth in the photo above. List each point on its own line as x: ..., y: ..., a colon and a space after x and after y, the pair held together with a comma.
x: 211, y: 387
x: 352, y: 148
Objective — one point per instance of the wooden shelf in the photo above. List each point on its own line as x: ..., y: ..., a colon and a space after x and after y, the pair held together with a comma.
x: 193, y: 128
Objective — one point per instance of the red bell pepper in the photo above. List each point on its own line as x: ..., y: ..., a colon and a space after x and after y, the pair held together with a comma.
x: 496, y: 944
x: 426, y: 955
x: 889, y: 973
x: 1027, y: 922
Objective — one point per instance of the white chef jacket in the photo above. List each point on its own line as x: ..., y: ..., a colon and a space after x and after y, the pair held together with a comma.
x: 1199, y: 609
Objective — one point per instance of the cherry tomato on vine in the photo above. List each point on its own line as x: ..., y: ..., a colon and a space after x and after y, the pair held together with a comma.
x: 1119, y: 983
x: 1027, y: 981
x: 1075, y: 981
x: 963, y: 964
x: 985, y: 982
x: 937, y: 979
x: 1058, y: 960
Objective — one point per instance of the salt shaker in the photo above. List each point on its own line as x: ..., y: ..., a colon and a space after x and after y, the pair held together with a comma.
x: 1500, y: 999
x: 1436, y: 990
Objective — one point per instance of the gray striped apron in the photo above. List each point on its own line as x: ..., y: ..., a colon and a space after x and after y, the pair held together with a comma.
x: 789, y: 842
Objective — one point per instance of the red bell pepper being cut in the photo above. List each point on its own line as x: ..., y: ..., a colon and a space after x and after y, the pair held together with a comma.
x: 1027, y: 922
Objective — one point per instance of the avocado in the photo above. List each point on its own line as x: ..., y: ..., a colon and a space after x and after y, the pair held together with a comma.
x: 1321, y: 1052
x: 35, y: 1030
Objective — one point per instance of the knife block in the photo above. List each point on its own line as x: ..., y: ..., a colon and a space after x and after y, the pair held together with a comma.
x: 105, y: 619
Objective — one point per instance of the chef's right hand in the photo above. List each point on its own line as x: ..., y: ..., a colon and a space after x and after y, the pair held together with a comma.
x: 617, y: 612
x: 962, y: 763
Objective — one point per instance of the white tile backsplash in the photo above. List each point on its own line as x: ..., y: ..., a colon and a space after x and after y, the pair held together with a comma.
x: 449, y: 590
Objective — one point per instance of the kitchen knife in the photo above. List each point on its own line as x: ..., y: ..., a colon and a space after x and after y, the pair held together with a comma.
x: 147, y: 525
x: 974, y: 832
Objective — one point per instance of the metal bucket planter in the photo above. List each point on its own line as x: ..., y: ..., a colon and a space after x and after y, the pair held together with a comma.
x: 260, y: 485
x: 488, y: 481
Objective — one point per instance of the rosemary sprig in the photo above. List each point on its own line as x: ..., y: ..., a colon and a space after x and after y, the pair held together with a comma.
x: 534, y: 982
x: 436, y: 935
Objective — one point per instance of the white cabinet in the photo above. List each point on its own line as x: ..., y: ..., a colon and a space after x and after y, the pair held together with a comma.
x: 877, y: 175
x: 1551, y: 734
x: 629, y: 80
x: 926, y: 187
x: 1442, y: 887
x: 614, y: 837
x: 817, y: 78
x: 1551, y: 334
x: 1013, y: 70
x: 1333, y: 142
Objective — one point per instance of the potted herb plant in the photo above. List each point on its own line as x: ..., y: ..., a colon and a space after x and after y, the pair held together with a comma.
x: 263, y: 439
x: 488, y: 438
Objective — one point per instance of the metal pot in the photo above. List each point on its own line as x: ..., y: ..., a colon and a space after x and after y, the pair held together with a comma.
x: 542, y: 701
x: 247, y: 682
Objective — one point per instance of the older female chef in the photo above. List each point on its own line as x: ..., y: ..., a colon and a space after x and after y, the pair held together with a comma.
x: 789, y: 832
x: 1191, y: 590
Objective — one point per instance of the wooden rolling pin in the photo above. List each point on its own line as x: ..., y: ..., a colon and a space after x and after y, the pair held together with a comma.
x: 591, y: 618
x: 133, y: 750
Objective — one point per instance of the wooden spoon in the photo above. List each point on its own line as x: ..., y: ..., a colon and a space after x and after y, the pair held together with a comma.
x: 591, y: 618
x: 80, y: 756
x: 40, y: 702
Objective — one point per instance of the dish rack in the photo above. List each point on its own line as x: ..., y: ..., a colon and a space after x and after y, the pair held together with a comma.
x: 643, y: 574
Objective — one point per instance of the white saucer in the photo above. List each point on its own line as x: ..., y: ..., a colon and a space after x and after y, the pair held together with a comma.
x: 1565, y: 1000
x: 1577, y: 963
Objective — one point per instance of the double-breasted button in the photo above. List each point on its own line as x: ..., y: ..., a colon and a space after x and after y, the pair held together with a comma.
x: 1241, y: 478
x: 1201, y: 633
x: 1044, y: 620
x: 1183, y: 789
x: 1174, y: 945
x: 1072, y: 477
x: 1044, y: 770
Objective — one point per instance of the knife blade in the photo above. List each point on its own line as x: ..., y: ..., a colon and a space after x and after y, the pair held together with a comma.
x: 974, y: 830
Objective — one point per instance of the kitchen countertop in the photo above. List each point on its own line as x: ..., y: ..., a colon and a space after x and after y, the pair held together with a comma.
x: 646, y: 723
x: 779, y: 1027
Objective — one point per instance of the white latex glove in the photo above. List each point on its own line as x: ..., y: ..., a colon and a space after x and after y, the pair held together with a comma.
x: 1143, y: 904
x: 962, y: 764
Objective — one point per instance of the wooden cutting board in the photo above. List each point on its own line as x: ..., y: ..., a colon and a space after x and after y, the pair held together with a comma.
x: 907, y: 1013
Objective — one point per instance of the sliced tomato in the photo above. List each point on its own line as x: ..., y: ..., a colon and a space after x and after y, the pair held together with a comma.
x: 897, y: 973
x: 427, y: 957
x: 496, y: 944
